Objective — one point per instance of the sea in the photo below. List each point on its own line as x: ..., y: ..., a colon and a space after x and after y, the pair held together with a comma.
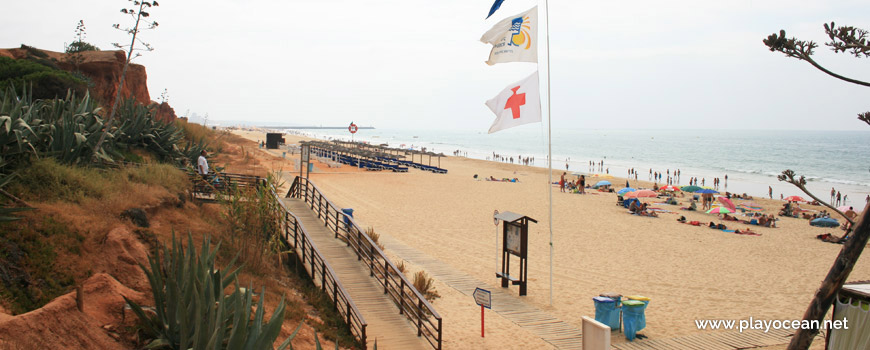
x: 751, y: 159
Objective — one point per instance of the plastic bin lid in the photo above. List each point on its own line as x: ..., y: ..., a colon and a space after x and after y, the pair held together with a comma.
x: 632, y: 303
x: 611, y: 295
x: 603, y: 299
x: 637, y: 297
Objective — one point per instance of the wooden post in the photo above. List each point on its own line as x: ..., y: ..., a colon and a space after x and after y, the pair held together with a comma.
x: 386, y: 277
x: 80, y: 298
x: 402, y: 297
x: 420, y: 318
x: 323, y: 274
x: 833, y: 282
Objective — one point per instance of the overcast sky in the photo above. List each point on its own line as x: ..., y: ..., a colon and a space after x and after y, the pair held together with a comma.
x: 412, y: 63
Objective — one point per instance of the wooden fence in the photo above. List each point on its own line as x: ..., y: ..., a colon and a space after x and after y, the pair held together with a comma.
x: 408, y: 299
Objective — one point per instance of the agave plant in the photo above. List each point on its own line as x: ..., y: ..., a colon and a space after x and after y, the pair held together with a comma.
x: 191, y: 310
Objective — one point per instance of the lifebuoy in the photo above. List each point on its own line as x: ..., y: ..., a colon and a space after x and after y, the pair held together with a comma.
x: 352, y: 128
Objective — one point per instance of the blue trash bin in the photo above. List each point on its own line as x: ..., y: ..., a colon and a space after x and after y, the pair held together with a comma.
x: 645, y: 301
x: 606, y: 312
x: 349, y: 212
x: 632, y: 317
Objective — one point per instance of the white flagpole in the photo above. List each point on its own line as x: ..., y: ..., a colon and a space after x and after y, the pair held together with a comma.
x: 549, y: 149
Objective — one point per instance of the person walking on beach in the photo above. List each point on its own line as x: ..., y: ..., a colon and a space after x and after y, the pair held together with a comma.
x: 838, y: 198
x: 726, y: 181
x: 562, y: 183
x: 832, y: 194
x: 770, y: 192
x: 582, y: 184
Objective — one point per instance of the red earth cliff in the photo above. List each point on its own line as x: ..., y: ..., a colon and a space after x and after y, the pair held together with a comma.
x: 104, y: 69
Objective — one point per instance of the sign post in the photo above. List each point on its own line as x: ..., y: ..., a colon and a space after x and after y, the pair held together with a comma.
x: 483, y: 298
x: 515, y: 241
x: 305, y: 156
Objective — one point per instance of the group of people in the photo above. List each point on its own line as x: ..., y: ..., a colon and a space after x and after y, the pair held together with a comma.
x: 579, y: 185
x: 640, y: 209
x: 509, y: 159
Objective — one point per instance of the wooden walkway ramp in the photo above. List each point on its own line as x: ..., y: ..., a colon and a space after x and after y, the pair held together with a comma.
x: 560, y: 334
x: 391, y: 329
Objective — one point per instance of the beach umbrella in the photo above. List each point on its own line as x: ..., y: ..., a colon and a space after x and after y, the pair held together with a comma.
x: 690, y: 188
x: 845, y: 208
x: 728, y: 203
x: 825, y: 222
x: 669, y: 188
x: 795, y: 199
x: 603, y: 183
x: 719, y: 210
x: 641, y: 194
x: 624, y: 190
x: 706, y: 190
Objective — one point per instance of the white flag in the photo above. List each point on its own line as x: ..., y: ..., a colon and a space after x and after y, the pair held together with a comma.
x: 514, y: 39
x: 518, y: 104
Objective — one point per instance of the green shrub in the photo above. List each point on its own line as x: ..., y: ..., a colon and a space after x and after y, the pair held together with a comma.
x: 191, y: 310
x: 47, y: 81
x: 164, y: 175
x: 45, y: 179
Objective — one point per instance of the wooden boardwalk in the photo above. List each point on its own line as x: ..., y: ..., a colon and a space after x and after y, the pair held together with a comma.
x: 560, y: 334
x: 712, y: 341
x: 391, y: 329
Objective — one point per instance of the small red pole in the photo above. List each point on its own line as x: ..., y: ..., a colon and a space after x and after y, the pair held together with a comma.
x: 481, y: 321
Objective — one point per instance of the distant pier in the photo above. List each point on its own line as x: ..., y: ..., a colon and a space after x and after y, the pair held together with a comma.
x: 317, y: 127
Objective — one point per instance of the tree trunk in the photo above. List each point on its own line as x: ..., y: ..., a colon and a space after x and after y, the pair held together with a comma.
x: 833, y: 282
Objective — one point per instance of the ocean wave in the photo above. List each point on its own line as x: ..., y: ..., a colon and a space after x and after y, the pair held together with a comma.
x: 845, y: 182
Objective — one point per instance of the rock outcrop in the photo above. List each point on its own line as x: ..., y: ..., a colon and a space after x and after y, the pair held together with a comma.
x: 104, y: 68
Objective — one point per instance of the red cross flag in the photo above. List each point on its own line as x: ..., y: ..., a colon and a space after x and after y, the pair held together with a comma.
x: 518, y: 104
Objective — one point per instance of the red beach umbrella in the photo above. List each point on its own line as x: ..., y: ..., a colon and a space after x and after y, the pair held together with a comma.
x: 669, y: 188
x: 795, y: 199
x: 641, y: 194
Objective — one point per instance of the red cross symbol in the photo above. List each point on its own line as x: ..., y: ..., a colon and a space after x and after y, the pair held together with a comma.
x: 515, y: 101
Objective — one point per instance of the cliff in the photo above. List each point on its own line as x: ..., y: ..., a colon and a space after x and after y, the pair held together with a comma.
x: 104, y: 69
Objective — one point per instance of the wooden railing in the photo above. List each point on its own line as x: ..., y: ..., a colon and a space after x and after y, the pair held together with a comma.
x: 402, y: 292
x: 214, y: 183
x: 293, y: 234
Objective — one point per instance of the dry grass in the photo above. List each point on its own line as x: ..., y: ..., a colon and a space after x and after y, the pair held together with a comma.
x: 425, y: 285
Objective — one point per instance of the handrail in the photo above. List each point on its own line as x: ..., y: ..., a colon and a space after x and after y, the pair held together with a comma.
x: 340, y: 297
x: 411, y: 302
x: 307, y: 252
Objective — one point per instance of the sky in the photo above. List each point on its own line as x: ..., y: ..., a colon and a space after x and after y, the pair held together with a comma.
x: 405, y: 64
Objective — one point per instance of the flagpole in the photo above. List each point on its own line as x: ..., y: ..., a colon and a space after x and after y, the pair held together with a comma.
x: 549, y: 148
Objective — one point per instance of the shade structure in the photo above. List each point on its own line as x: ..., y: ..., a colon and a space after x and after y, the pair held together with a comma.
x: 603, y: 183
x: 669, y: 188
x: 690, y: 188
x: 625, y: 190
x: 642, y: 194
x: 719, y: 210
x: 795, y: 199
x: 706, y: 190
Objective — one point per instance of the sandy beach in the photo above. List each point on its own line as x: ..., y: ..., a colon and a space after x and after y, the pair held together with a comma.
x: 689, y: 272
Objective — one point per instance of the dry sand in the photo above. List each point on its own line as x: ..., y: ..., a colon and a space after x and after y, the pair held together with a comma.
x: 689, y: 272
